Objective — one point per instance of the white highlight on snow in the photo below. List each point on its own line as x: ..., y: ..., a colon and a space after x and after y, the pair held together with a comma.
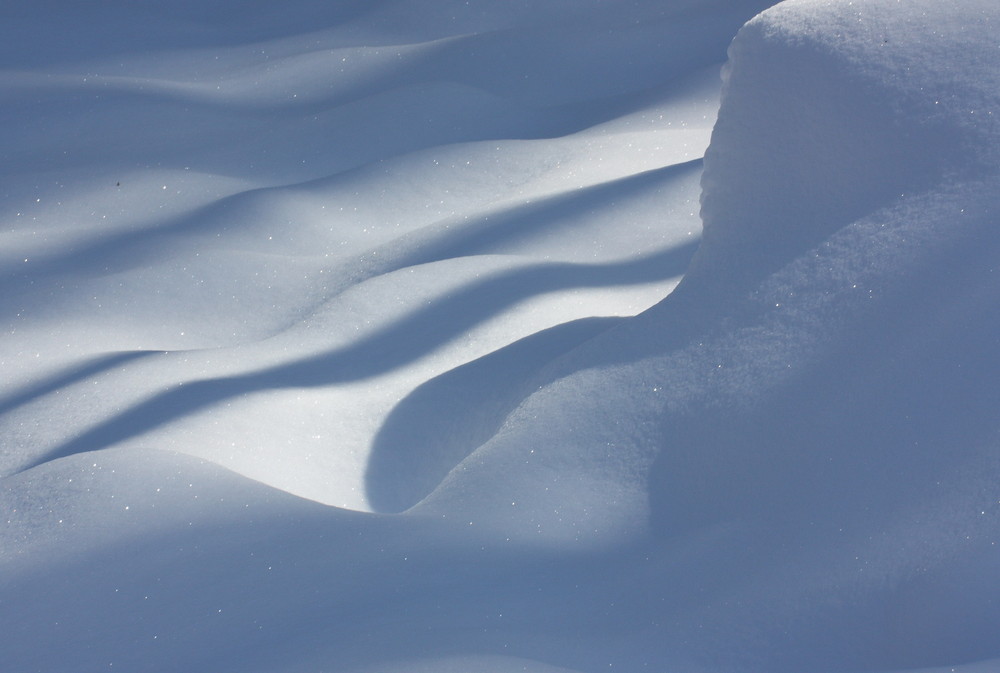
x: 344, y: 336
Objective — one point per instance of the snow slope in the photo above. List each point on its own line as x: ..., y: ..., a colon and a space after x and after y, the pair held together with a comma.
x: 337, y: 340
x: 253, y: 216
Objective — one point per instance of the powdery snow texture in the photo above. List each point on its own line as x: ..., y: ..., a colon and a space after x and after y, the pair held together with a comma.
x: 429, y: 290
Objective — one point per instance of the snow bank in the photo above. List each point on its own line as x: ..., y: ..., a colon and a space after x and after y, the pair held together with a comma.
x: 200, y: 227
x: 804, y: 422
x: 788, y: 464
x: 831, y: 112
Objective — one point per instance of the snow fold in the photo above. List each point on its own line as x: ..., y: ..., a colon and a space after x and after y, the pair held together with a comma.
x: 788, y: 464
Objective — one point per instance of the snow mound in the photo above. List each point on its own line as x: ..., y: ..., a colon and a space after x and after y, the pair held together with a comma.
x: 804, y: 423
x: 788, y: 464
x: 832, y: 110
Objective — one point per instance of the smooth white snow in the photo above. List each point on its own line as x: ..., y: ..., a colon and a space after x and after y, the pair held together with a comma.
x: 345, y: 337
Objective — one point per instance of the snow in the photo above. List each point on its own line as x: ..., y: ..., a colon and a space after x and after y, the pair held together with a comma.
x: 405, y: 337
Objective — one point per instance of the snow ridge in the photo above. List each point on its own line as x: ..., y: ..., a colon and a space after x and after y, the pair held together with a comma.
x: 363, y: 349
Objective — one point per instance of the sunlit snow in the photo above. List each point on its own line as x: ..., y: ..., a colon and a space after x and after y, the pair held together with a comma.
x: 557, y: 336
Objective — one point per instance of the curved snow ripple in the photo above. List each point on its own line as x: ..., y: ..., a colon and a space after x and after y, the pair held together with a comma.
x: 351, y: 167
x: 787, y: 464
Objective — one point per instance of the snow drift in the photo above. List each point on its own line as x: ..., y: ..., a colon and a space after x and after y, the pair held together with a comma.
x: 787, y: 464
x: 810, y: 414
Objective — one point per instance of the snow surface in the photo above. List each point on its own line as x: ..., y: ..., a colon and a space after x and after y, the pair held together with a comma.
x: 352, y: 336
